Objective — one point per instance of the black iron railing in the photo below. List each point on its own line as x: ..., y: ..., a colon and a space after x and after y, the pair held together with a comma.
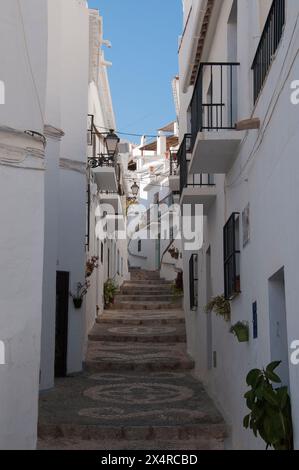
x: 231, y: 251
x: 214, y: 102
x: 193, y: 180
x: 193, y: 282
x: 102, y: 161
x: 268, y: 45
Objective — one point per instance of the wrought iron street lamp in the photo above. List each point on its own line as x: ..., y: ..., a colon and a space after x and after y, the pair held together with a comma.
x: 111, y: 141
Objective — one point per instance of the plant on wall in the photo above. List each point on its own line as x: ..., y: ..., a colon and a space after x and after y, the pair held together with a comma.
x: 241, y: 331
x: 91, y: 265
x: 221, y: 306
x: 270, y: 408
x: 174, y: 252
x: 81, y: 291
x: 110, y: 289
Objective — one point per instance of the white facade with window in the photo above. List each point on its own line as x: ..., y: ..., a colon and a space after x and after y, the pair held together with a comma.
x: 22, y: 177
x: 256, y: 178
x: 106, y: 237
x: 49, y: 87
x: 150, y: 221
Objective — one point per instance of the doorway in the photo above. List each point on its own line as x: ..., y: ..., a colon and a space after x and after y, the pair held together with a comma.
x: 61, y: 329
x: 278, y: 325
x: 209, y: 315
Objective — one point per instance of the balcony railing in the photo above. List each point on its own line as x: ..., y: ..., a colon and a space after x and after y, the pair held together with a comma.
x: 102, y: 161
x: 214, y: 102
x: 194, y: 180
x: 268, y: 45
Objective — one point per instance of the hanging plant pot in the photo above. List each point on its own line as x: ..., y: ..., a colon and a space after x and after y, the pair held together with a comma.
x: 78, y: 303
x: 241, y: 331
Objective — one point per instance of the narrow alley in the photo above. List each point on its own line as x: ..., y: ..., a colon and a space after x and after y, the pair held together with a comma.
x: 137, y: 390
x: 148, y: 233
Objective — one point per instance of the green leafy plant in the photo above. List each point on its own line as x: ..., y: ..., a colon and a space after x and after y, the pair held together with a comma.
x: 221, y: 306
x: 91, y: 265
x: 81, y: 292
x: 270, y: 408
x: 241, y: 331
x: 110, y: 289
x: 177, y: 292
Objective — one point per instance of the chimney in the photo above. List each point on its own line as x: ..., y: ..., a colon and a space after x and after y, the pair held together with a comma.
x: 161, y: 144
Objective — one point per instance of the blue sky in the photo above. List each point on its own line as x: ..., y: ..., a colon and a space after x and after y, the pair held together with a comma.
x: 144, y: 36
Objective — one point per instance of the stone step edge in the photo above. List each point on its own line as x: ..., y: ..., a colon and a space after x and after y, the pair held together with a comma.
x: 145, y: 322
x: 94, y: 366
x: 155, y: 305
x: 199, y: 444
x: 208, y: 430
x: 171, y: 339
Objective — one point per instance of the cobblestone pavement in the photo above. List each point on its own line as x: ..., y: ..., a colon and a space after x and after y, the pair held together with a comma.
x: 137, y: 391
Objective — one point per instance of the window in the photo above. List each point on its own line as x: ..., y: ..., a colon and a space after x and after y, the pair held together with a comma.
x: 268, y: 45
x: 193, y: 279
x: 139, y: 246
x: 102, y: 252
x: 231, y: 245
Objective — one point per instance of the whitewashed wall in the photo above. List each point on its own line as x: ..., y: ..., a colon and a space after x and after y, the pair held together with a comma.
x: 265, y: 176
x: 65, y: 190
x: 22, y: 51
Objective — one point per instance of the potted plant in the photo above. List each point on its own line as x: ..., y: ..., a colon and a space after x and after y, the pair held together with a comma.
x: 177, y: 292
x: 174, y: 252
x: 179, y: 282
x: 91, y: 265
x: 81, y: 291
x: 221, y: 306
x: 270, y: 408
x: 110, y: 289
x: 241, y: 331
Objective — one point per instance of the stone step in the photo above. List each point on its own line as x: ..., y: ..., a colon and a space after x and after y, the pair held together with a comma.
x: 141, y: 274
x: 141, y: 297
x: 145, y: 306
x: 112, y: 356
x: 201, y: 443
x: 138, y: 334
x: 130, y: 407
x: 118, y: 318
x: 206, y: 436
x: 93, y: 366
x: 151, y: 282
x: 135, y: 290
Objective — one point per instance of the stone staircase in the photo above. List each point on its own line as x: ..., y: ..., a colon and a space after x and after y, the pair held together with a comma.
x: 137, y: 391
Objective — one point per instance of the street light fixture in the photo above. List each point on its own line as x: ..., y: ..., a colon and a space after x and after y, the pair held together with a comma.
x: 135, y: 189
x: 111, y: 141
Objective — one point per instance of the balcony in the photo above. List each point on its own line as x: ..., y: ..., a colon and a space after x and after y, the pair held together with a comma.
x: 268, y: 45
x: 106, y: 180
x: 111, y: 204
x: 174, y: 178
x: 214, y: 105
x: 194, y: 188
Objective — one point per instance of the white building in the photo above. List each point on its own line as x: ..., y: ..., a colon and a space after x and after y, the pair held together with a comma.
x: 51, y: 79
x: 106, y: 237
x: 238, y: 59
x: 151, y: 219
x: 63, y: 328
x: 23, y: 54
